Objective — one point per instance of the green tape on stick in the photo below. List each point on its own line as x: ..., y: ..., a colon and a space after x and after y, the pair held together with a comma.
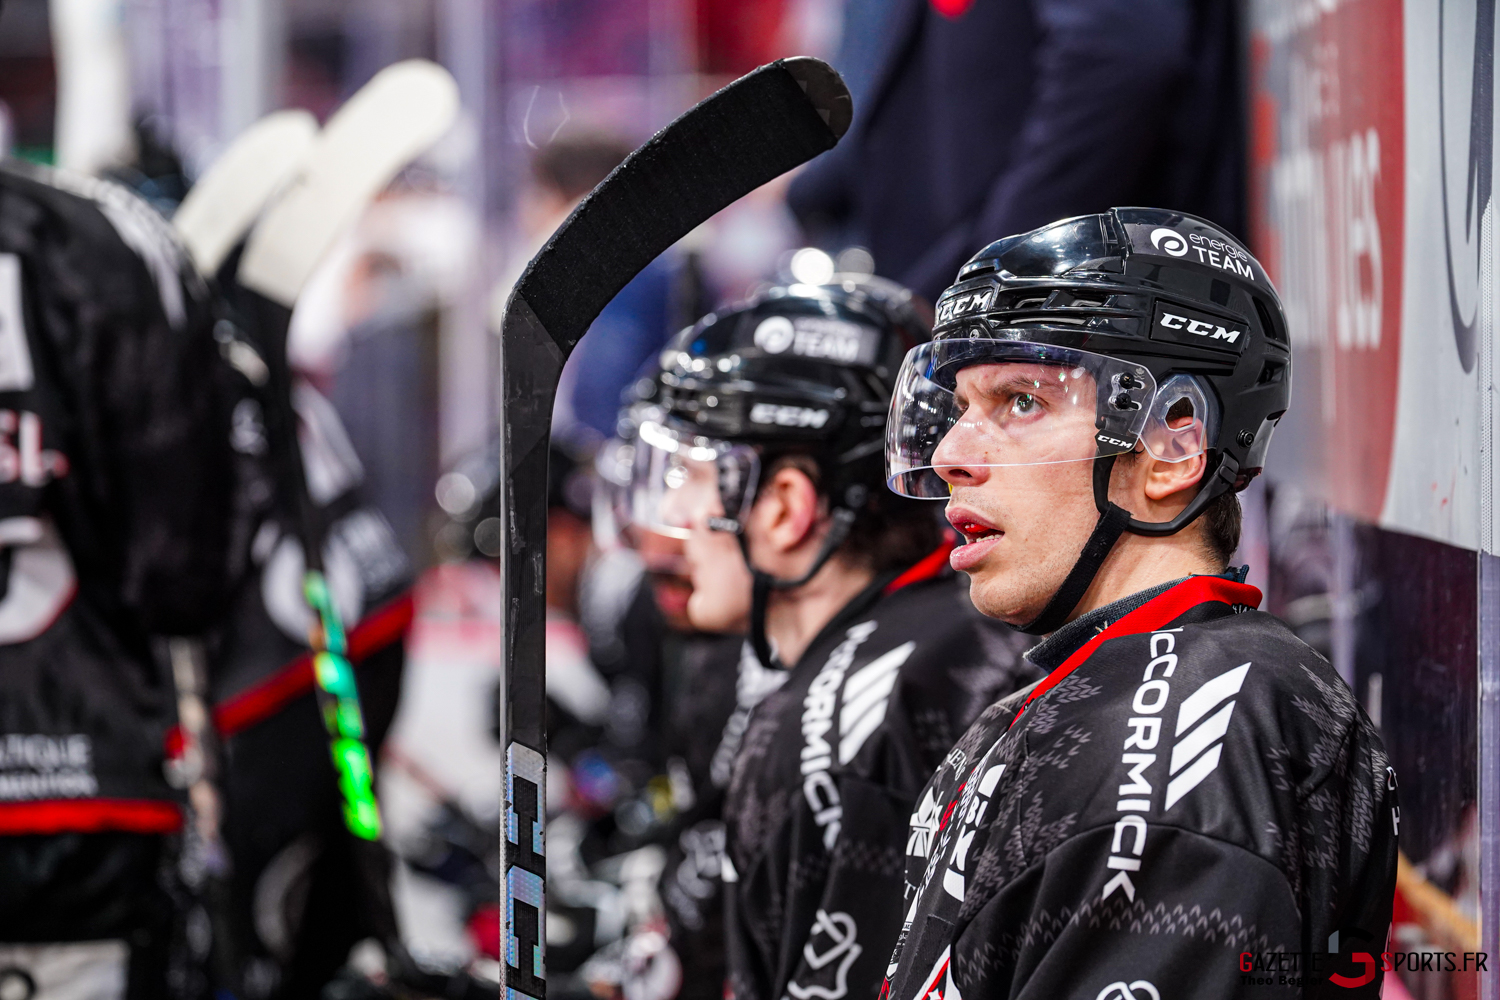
x: 345, y: 722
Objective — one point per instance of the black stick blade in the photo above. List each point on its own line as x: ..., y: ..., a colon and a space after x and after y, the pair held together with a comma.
x: 747, y: 134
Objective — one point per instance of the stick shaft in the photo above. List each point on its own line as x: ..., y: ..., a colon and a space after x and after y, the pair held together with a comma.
x: 747, y: 134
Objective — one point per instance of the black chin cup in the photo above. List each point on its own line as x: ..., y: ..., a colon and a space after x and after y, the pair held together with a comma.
x: 1114, y: 521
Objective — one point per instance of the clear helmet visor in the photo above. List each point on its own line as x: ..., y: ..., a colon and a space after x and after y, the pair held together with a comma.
x: 613, y: 464
x: 981, y: 403
x: 681, y: 480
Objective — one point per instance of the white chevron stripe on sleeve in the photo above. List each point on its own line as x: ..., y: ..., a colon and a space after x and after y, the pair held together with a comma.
x: 866, y: 695
x: 1189, y: 779
x: 1194, y: 742
x: 1202, y: 701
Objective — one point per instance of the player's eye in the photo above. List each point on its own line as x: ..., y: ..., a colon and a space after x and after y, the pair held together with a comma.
x: 1023, y: 404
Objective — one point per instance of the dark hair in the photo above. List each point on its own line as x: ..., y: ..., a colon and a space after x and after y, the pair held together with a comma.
x: 1220, y: 519
x: 574, y: 165
x: 1221, y: 526
x: 890, y: 532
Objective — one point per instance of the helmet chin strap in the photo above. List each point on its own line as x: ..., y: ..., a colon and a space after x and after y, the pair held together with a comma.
x: 1112, y: 523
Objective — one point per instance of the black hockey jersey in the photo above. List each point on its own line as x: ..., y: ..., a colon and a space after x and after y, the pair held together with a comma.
x: 725, y: 683
x: 114, y: 498
x: 828, y: 771
x: 1190, y: 804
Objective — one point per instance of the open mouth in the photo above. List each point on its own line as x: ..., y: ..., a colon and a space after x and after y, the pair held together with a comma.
x: 972, y: 528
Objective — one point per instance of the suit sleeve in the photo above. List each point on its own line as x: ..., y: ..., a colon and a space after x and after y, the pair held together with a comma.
x: 1181, y: 923
x: 1105, y: 69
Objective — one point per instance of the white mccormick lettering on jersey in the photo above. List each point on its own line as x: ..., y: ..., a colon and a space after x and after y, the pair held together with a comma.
x: 1199, y: 327
x: 787, y: 416
x: 840, y: 930
x: 817, y: 719
x: 1135, y: 794
x: 1202, y: 745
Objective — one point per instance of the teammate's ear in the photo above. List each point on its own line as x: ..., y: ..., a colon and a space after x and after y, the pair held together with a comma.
x: 791, y: 509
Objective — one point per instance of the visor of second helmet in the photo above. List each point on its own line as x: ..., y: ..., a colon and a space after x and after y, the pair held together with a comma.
x: 983, y: 403
x: 681, y: 480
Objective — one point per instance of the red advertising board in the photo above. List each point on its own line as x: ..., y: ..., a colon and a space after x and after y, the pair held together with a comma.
x: 1327, y: 189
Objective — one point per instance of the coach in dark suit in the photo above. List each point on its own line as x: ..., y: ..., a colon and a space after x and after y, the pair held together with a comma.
x: 990, y: 117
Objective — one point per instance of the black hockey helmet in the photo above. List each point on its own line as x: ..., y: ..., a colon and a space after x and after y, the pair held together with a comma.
x: 797, y: 368
x: 1160, y: 315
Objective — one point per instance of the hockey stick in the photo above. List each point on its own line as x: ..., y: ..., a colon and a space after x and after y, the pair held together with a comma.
x: 747, y: 134
x: 391, y: 121
x: 215, y: 215
x: 223, y: 204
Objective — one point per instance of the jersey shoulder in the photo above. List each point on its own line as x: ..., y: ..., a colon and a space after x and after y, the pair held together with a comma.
x: 1231, y: 727
x: 97, y: 241
x: 949, y: 638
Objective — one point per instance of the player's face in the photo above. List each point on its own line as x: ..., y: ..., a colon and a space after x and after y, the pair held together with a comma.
x: 721, y: 582
x: 666, y: 571
x: 1023, y: 524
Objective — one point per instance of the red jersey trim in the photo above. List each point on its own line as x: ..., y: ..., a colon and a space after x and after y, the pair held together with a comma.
x: 926, y: 568
x: 375, y: 631
x: 90, y: 816
x: 1155, y: 613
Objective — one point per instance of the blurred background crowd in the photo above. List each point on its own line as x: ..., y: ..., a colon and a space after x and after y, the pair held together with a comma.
x: 974, y: 119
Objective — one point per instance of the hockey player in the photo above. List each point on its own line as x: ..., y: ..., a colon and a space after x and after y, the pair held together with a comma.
x: 114, y: 501
x: 765, y: 459
x: 1191, y: 795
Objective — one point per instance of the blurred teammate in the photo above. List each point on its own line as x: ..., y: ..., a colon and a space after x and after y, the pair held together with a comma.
x: 1190, y: 783
x: 293, y: 857
x: 114, y: 527
x: 712, y: 682
x: 765, y: 458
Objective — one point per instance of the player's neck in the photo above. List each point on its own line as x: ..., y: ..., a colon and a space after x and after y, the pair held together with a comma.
x: 795, y: 617
x: 1138, y: 563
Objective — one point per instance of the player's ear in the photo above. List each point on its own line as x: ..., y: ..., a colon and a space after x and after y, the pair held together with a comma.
x: 791, y: 508
x: 1173, y: 482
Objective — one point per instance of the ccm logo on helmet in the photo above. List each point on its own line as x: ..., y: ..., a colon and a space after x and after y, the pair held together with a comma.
x: 962, y: 305
x: 1188, y: 326
x: 1199, y: 327
x: 787, y: 416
